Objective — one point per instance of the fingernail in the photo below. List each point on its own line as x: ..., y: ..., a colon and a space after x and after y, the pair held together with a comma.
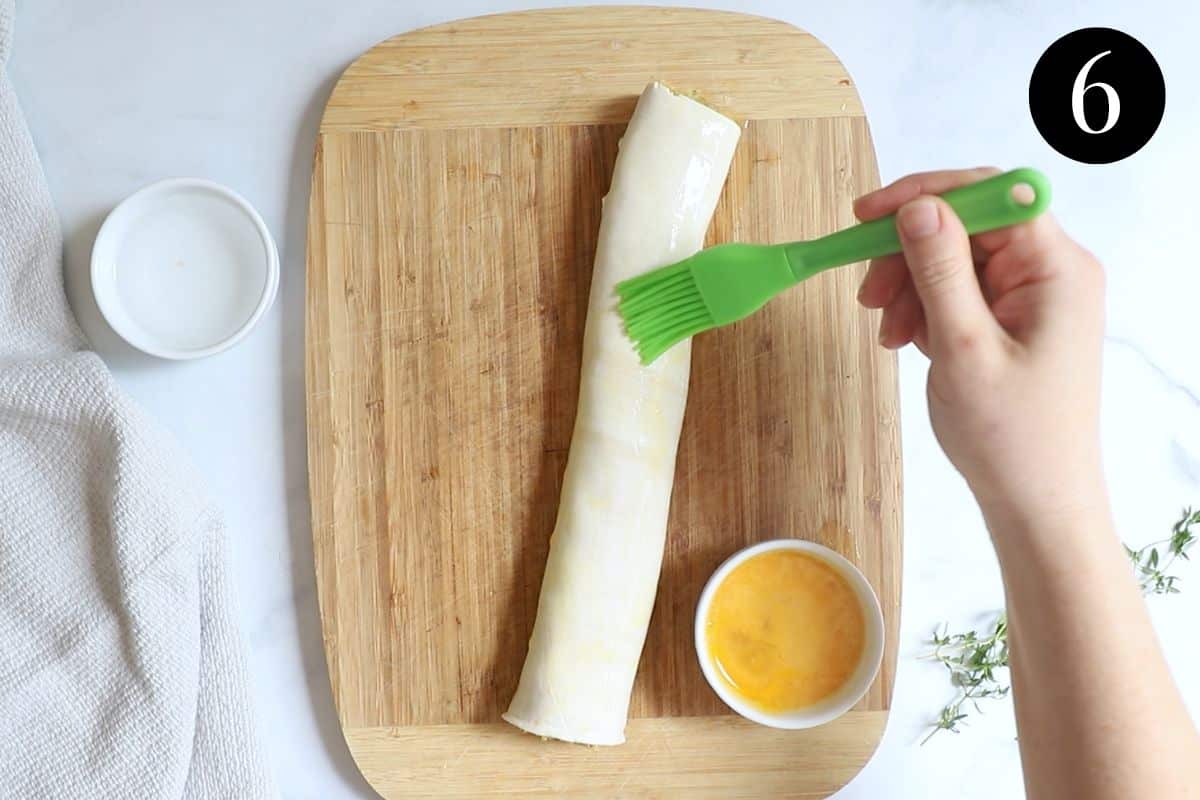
x: 918, y: 219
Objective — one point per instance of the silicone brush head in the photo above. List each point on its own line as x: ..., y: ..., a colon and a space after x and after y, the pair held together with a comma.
x: 712, y: 288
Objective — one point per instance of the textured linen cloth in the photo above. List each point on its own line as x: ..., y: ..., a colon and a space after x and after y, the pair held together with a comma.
x: 121, y: 670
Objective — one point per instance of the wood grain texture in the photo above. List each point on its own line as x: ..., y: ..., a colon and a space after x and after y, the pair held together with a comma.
x: 588, y: 65
x: 456, y: 760
x: 448, y: 271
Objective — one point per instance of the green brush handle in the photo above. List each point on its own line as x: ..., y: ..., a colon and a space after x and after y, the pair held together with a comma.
x: 982, y: 206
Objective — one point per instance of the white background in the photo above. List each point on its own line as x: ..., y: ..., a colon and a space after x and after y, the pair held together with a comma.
x: 123, y: 92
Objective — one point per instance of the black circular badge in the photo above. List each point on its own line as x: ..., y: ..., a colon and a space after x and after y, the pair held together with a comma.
x: 1097, y: 95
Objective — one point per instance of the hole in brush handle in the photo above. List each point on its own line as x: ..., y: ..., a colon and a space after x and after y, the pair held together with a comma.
x: 1023, y: 194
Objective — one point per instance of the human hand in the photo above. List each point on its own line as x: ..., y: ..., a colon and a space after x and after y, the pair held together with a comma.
x: 1012, y: 321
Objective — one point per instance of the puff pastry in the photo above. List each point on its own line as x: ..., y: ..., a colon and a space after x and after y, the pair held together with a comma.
x: 606, y: 551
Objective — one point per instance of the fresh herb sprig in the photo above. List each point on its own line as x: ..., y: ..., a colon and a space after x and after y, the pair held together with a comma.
x: 978, y: 660
x: 978, y: 665
x: 1153, y: 576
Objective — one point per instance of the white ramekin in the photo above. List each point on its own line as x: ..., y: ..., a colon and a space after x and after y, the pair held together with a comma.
x: 855, y: 686
x: 184, y: 268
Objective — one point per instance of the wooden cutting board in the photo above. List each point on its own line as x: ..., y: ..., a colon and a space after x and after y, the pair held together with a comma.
x: 455, y: 205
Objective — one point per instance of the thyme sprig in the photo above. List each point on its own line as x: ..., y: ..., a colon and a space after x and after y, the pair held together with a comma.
x: 1153, y: 573
x: 977, y: 660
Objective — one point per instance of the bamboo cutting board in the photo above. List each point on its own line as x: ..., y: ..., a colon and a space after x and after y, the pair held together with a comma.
x: 455, y: 205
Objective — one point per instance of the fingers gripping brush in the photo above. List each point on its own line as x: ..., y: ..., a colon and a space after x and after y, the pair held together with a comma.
x: 726, y: 283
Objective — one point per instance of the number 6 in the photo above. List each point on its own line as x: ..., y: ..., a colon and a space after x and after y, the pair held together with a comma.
x: 1081, y: 88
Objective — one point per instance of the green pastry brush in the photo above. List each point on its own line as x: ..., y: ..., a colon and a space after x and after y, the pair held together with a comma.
x: 725, y: 283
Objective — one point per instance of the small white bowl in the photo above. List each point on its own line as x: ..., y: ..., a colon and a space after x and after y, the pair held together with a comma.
x: 184, y: 268
x: 855, y: 686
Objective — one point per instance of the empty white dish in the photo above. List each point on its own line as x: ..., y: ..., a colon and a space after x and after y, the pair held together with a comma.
x: 184, y: 268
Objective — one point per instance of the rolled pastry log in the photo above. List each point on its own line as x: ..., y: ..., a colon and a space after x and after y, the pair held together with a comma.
x: 606, y: 550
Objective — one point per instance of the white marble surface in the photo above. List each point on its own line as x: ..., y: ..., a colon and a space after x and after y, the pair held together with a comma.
x: 123, y: 92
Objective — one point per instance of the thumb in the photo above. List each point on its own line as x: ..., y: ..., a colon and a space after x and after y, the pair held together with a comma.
x: 939, y: 259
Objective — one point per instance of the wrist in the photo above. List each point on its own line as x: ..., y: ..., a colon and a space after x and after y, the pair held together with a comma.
x: 1079, y: 497
x: 1050, y: 548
